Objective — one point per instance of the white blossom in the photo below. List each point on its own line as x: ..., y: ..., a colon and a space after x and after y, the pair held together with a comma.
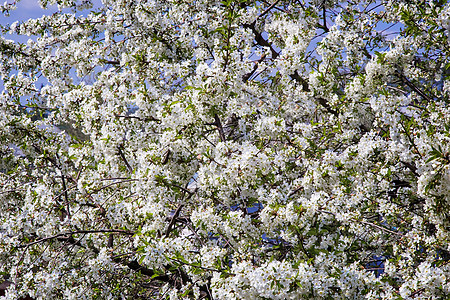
x: 225, y: 150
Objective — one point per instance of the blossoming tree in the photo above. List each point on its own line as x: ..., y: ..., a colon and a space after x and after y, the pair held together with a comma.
x: 233, y: 149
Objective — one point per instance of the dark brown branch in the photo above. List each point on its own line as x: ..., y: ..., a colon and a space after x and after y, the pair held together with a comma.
x: 66, y: 195
x: 200, y: 267
x: 185, y: 190
x: 382, y: 228
x: 110, y: 240
x: 295, y: 191
x: 117, y: 178
x: 300, y: 80
x: 166, y: 157
x: 277, y: 8
x: 219, y: 126
x: 13, y: 191
x: 324, y: 26
x: 247, y: 76
x: 72, y: 241
x: 413, y: 87
x: 122, y: 155
x: 411, y: 167
x: 135, y: 266
x: 110, y: 62
x: 173, y: 219
x: 410, y: 139
x: 327, y: 106
x: 66, y: 234
x: 111, y: 184
x: 267, y: 10
x: 415, y: 293
x: 295, y: 76
x: 146, y: 119
x: 260, y: 39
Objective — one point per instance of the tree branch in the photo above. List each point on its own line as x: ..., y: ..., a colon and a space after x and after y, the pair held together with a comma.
x: 173, y: 219
x: 381, y: 228
x: 65, y: 234
x: 124, y: 159
x: 295, y: 76
x: 219, y: 126
x: 267, y: 9
x: 260, y: 39
x: 66, y: 195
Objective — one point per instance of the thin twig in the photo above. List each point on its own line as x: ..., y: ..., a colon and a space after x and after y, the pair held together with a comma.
x: 381, y: 228
x: 268, y: 9
x: 12, y: 191
x: 65, y: 234
x: 111, y: 184
x: 173, y: 219
x: 66, y: 195
x: 122, y: 155
x: 200, y: 267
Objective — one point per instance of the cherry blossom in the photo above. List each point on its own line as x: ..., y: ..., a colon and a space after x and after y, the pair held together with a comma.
x: 226, y: 150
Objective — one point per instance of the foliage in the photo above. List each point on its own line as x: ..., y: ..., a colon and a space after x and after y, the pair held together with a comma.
x: 227, y: 150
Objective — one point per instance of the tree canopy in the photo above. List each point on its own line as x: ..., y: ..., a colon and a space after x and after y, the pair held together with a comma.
x: 233, y: 149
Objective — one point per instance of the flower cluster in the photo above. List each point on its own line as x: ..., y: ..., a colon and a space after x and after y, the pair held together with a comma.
x: 226, y: 150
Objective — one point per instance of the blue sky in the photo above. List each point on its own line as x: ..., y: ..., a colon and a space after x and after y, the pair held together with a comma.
x: 26, y: 9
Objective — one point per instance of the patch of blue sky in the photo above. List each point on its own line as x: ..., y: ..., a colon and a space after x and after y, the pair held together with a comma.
x: 31, y: 9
